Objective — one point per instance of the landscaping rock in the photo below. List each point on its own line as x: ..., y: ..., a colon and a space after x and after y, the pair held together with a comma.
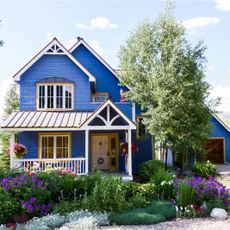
x: 219, y: 213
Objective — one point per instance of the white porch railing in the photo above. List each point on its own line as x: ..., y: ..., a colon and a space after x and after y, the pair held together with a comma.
x: 75, y: 165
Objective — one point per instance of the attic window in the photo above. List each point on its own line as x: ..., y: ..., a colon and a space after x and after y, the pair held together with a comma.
x: 55, y: 96
x: 99, y: 97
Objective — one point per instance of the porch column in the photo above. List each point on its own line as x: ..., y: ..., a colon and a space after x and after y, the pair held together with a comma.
x: 129, y: 152
x: 86, y: 151
x: 12, y: 142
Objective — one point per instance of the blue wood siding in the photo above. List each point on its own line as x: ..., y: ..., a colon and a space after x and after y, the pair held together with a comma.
x: 30, y: 140
x: 106, y: 81
x: 54, y: 66
x: 219, y: 131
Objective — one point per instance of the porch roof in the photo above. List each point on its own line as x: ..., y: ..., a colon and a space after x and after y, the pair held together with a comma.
x: 35, y: 119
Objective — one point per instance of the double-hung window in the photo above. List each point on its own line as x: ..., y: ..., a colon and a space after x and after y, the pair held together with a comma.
x: 55, y: 96
x: 55, y: 146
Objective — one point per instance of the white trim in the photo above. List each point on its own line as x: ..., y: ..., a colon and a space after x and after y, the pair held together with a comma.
x: 221, y: 122
x: 86, y: 151
x: 81, y: 41
x: 129, y: 152
x: 104, y: 105
x: 17, y: 76
x: 114, y: 118
x: 12, y: 143
x: 133, y: 112
x: 69, y: 129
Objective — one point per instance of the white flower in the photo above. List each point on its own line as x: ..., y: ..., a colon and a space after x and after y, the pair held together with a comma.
x: 177, y: 209
x: 163, y: 183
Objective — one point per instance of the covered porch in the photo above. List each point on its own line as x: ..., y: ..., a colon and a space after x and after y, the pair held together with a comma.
x: 94, y: 139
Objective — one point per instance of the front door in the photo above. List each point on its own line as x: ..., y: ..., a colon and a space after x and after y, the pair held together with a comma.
x: 104, y: 152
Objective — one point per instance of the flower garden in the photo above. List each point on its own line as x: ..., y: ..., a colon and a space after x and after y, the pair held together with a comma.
x: 60, y: 199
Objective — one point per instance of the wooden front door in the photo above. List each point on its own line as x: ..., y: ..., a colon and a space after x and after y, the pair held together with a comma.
x: 215, y: 150
x: 104, y: 152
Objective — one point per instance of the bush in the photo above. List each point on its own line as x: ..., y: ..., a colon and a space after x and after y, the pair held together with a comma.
x: 204, y: 169
x: 185, y: 194
x: 106, y: 195
x: 149, y: 168
x: 132, y: 188
x: 138, y: 201
x: 136, y: 218
x: 9, y: 206
x: 163, y: 181
x: 164, y: 208
x: 66, y: 207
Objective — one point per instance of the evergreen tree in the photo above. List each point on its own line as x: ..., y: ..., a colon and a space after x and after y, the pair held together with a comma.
x: 166, y: 77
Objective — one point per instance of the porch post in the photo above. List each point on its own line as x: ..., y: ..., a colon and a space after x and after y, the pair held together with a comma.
x: 129, y: 152
x: 86, y: 151
x: 12, y: 142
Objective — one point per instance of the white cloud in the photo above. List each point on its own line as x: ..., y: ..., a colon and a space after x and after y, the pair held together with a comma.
x: 97, y: 23
x: 210, y: 68
x: 71, y: 42
x: 224, y: 93
x: 223, y: 5
x: 200, y: 22
x: 50, y: 36
x: 96, y: 45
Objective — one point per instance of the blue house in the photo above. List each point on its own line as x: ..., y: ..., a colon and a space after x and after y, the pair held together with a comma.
x: 73, y: 114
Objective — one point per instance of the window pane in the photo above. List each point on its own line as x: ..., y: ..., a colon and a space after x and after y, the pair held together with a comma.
x: 68, y: 97
x: 47, y: 147
x: 62, y: 146
x: 50, y: 96
x: 59, y: 96
x: 41, y: 96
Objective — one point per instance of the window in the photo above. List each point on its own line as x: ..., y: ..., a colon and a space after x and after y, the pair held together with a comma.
x: 55, y: 96
x: 141, y: 129
x: 100, y: 97
x: 55, y: 146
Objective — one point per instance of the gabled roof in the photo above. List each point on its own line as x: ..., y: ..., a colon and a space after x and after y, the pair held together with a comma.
x: 55, y: 48
x: 221, y: 122
x: 106, y: 103
x: 81, y: 41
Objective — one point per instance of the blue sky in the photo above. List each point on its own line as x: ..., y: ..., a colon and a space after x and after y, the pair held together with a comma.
x: 28, y: 25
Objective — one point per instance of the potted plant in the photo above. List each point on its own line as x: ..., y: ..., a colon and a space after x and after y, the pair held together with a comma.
x: 19, y: 150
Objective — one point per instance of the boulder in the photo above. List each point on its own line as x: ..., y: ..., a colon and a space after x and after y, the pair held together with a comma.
x: 219, y: 213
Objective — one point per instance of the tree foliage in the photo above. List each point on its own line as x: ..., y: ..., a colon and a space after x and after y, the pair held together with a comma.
x: 167, y: 78
x: 11, y: 103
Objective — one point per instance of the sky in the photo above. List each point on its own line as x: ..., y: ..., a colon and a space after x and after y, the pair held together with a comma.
x: 27, y: 26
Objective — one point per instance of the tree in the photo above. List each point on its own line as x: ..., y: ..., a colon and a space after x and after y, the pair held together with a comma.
x: 166, y: 77
x: 1, y: 41
x: 11, y: 103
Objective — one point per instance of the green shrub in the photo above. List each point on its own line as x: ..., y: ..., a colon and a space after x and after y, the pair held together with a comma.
x: 149, y: 168
x: 4, y: 173
x: 164, y: 208
x: 204, y: 169
x: 185, y: 194
x: 163, y: 181
x: 138, y: 201
x: 66, y: 207
x: 9, y: 206
x: 106, y: 195
x: 136, y: 218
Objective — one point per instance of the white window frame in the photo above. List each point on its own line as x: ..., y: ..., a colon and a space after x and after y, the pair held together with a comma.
x: 41, y: 135
x: 64, y: 98
x: 99, y: 95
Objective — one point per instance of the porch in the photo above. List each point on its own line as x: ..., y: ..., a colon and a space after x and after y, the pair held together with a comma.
x: 107, y: 120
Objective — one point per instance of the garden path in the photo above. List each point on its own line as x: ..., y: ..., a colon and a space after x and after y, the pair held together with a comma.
x: 180, y: 224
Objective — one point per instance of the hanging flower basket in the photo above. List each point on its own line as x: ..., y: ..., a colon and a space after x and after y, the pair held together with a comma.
x: 124, y: 148
x: 19, y: 150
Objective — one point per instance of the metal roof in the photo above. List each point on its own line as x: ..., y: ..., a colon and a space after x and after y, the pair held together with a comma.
x: 34, y: 119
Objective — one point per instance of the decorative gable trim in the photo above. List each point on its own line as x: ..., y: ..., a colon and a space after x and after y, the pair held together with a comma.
x: 108, y: 122
x: 83, y: 42
x: 53, y: 48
